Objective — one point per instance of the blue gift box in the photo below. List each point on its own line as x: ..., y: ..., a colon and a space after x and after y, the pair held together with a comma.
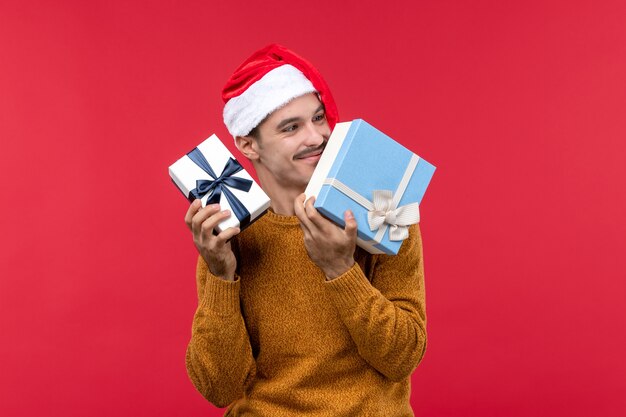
x: 381, y: 181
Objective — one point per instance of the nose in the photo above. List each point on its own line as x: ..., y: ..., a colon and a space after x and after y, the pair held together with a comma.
x: 316, y: 134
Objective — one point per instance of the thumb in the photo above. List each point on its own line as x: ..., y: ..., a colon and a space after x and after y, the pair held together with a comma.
x: 298, y: 204
x: 350, y: 228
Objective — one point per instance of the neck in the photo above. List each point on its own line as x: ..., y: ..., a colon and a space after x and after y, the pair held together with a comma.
x: 281, y: 196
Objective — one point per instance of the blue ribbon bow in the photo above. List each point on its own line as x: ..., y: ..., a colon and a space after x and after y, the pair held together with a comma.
x: 218, y: 185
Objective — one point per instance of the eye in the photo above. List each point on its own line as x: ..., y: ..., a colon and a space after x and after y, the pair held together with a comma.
x: 319, y: 117
x: 290, y: 128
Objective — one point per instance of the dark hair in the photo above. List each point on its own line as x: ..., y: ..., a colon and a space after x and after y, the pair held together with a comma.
x: 255, y: 133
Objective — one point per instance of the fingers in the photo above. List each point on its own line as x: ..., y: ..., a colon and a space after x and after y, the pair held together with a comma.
x: 193, y: 209
x: 216, y: 243
x: 315, y: 217
x: 205, y: 220
x: 208, y: 225
x: 314, y: 222
x: 201, y: 215
x: 227, y: 235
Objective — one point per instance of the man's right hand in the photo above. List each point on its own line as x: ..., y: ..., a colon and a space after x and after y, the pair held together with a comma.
x: 215, y: 249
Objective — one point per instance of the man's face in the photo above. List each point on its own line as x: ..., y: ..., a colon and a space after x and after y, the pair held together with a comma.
x: 291, y: 140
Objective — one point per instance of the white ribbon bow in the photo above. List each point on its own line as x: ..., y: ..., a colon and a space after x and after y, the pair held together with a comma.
x: 399, y: 219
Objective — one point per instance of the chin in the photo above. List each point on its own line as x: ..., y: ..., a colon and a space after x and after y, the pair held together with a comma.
x: 306, y: 177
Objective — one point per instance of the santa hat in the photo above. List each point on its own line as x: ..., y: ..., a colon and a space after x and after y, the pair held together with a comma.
x: 269, y: 79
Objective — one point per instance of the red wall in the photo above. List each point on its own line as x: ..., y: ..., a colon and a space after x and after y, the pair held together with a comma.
x: 520, y: 105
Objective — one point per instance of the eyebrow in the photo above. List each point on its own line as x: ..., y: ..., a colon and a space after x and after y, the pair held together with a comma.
x: 296, y: 119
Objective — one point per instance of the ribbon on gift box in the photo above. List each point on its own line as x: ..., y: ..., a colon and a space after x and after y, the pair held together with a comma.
x: 219, y: 185
x: 383, y: 211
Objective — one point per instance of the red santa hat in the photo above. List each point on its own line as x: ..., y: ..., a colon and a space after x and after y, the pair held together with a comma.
x: 269, y: 79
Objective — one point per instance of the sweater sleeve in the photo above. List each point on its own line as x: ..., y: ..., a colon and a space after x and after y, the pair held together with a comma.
x: 219, y: 357
x: 386, y: 315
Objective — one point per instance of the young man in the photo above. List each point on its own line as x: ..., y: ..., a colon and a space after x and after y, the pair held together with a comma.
x: 293, y: 319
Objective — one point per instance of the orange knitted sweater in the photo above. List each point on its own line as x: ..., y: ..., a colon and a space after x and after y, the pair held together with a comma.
x: 282, y: 341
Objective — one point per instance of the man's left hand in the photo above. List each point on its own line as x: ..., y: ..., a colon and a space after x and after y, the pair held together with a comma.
x: 329, y: 246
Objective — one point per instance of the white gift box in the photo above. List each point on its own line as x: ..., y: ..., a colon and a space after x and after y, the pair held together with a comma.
x: 211, y: 173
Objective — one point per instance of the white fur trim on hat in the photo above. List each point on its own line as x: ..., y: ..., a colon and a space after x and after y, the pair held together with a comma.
x: 275, y: 89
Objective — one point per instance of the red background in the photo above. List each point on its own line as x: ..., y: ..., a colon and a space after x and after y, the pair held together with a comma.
x: 520, y: 105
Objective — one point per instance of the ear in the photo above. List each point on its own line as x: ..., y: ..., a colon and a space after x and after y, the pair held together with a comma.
x: 247, y: 146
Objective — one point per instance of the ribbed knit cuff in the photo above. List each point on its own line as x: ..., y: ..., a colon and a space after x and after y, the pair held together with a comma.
x: 221, y: 296
x: 350, y: 288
